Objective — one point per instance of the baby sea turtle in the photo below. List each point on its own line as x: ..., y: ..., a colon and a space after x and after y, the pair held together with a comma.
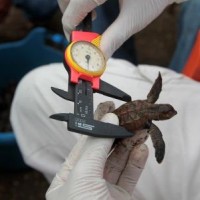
x: 137, y: 115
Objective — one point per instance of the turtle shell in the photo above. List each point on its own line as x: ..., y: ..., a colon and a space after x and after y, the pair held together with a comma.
x: 134, y: 115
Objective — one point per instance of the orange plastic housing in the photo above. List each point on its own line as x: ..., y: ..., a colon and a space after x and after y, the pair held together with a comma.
x: 192, y: 67
x: 94, y: 38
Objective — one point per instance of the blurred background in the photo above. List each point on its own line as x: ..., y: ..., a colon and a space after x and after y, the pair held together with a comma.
x: 154, y: 45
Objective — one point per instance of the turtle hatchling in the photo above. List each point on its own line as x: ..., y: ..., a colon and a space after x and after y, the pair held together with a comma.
x: 138, y: 115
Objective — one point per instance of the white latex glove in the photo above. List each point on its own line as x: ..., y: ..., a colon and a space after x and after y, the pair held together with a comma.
x: 134, y: 16
x: 81, y: 176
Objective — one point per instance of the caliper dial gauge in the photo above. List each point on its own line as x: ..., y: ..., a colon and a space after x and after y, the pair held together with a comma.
x: 86, y: 58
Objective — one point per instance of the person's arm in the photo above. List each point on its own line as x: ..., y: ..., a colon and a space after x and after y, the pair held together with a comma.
x: 134, y: 16
x: 84, y: 176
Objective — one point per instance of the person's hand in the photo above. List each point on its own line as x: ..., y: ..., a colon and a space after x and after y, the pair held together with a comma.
x: 84, y: 175
x: 134, y: 16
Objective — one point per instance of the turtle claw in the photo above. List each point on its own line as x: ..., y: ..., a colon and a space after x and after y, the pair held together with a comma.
x: 159, y: 156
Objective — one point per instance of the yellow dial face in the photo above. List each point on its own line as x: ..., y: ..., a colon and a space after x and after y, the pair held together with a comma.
x: 86, y: 58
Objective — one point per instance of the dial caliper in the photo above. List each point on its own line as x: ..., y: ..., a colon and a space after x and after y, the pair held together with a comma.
x: 85, y: 63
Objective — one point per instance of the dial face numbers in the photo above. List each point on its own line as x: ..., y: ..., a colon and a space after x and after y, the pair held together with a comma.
x: 88, y: 56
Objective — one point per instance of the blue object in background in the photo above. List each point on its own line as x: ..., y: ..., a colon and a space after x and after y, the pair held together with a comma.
x: 10, y: 155
x: 16, y: 59
x: 188, y: 27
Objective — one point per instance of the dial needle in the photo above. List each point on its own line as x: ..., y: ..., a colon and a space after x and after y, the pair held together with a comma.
x: 88, y: 59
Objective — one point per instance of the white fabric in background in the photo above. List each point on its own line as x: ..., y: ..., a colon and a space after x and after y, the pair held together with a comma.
x: 45, y: 143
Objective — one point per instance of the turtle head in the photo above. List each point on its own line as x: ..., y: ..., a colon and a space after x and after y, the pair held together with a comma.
x: 166, y: 111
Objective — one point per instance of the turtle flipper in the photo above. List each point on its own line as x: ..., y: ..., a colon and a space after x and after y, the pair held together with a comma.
x: 155, y: 90
x: 158, y: 142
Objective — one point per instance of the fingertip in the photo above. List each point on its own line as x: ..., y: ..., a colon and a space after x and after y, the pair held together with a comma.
x: 67, y: 26
x: 113, y: 37
x: 110, y: 118
x: 67, y: 34
x: 107, y: 50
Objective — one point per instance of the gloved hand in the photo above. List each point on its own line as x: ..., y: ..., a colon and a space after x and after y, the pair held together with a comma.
x: 134, y: 16
x: 81, y: 176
